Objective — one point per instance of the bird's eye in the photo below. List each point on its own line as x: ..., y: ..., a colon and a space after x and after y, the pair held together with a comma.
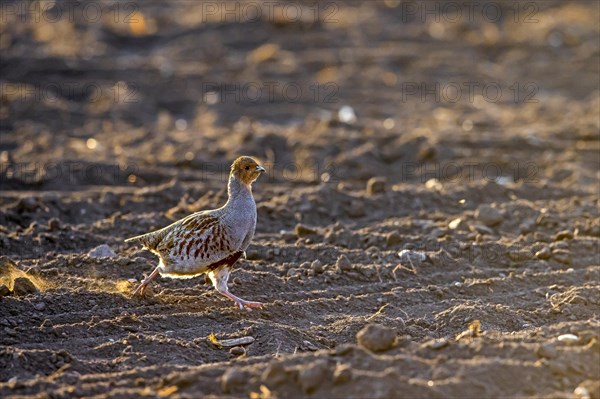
x: 247, y: 168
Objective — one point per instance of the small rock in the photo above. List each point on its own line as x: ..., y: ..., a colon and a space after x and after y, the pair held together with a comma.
x: 562, y: 256
x: 311, y: 376
x: 376, y: 338
x: 569, y: 339
x: 4, y: 291
x: 588, y: 389
x: 436, y: 344
x: 563, y: 235
x: 303, y: 230
x: 23, y: 286
x: 102, y: 251
x: 343, y: 263
x: 543, y: 253
x: 53, y: 224
x: 342, y: 374
x: 547, y: 350
x: 456, y: 224
x: 393, y: 238
x: 488, y: 215
x: 237, y: 351
x: 317, y: 266
x: 274, y: 375
x: 39, y: 306
x: 356, y: 209
x: 232, y: 378
x: 376, y: 185
x: 293, y: 272
x: 482, y: 229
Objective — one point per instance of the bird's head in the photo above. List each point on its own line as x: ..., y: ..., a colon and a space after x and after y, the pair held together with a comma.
x: 246, y: 170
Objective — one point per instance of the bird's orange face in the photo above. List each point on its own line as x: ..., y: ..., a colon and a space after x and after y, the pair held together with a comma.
x: 246, y: 169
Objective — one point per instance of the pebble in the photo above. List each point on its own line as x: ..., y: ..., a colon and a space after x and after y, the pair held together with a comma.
x: 547, y: 350
x: 588, y: 389
x: 4, y: 291
x: 343, y: 263
x: 563, y: 235
x: 303, y: 230
x: 436, y: 344
x: 342, y: 374
x: 53, y: 224
x: 23, y: 286
x: 455, y: 224
x: 488, y: 215
x: 232, y: 378
x: 237, y: 351
x: 317, y: 266
x: 293, y: 272
x: 569, y: 339
x: 102, y: 251
x: 376, y: 185
x: 311, y: 376
x: 393, y: 238
x: 376, y: 338
x: 274, y: 375
x: 543, y: 253
x: 39, y: 306
x: 561, y: 255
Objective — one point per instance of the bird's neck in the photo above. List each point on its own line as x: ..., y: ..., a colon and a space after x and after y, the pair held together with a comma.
x: 236, y: 190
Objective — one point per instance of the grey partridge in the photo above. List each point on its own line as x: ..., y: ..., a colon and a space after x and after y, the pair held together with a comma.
x: 209, y: 241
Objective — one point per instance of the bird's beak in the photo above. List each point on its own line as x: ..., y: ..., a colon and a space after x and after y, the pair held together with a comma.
x: 260, y: 168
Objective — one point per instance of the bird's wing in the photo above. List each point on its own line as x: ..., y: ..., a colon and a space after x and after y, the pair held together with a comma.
x: 200, y: 238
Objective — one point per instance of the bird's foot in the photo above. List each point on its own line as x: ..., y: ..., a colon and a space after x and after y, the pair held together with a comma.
x: 249, y: 304
x: 140, y: 289
x: 241, y: 303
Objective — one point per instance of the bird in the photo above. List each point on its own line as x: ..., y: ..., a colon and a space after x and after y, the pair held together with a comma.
x: 209, y: 241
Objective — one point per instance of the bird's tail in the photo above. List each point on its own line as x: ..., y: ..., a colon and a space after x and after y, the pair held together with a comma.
x: 148, y: 240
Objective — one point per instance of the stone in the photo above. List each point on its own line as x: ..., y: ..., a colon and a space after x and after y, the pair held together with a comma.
x: 563, y: 235
x: 588, y: 389
x: 343, y: 263
x: 102, y: 251
x: 562, y: 256
x: 543, y: 253
x: 376, y: 338
x: 23, y: 286
x: 488, y: 215
x: 317, y: 266
x: 311, y: 376
x: 393, y: 238
x: 303, y: 230
x: 342, y: 374
x: 547, y: 351
x: 237, y: 351
x: 376, y: 185
x: 4, y: 290
x: 274, y: 375
x: 53, y: 224
x: 232, y: 378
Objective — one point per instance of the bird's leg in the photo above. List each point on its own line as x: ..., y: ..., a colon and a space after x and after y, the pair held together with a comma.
x: 142, y: 287
x: 219, y: 279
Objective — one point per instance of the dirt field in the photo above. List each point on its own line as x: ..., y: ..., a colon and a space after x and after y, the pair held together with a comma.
x: 482, y: 134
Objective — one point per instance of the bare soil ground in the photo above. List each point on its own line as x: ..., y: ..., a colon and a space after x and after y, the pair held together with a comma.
x: 111, y: 128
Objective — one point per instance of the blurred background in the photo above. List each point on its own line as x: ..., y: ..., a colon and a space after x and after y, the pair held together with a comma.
x: 321, y: 91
